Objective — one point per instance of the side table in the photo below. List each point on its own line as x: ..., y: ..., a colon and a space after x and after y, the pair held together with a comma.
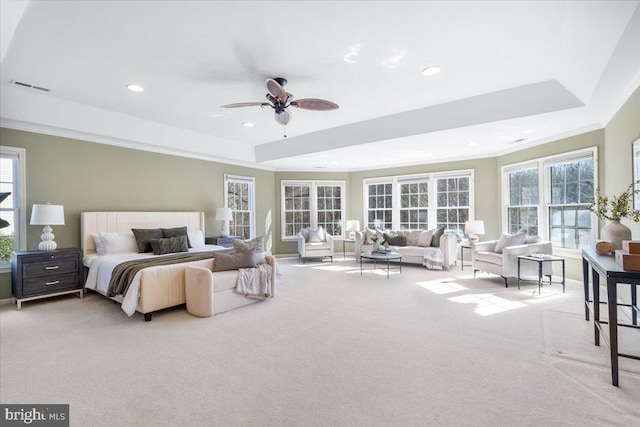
x: 344, y: 248
x: 226, y: 241
x: 541, y: 259
x: 462, y: 248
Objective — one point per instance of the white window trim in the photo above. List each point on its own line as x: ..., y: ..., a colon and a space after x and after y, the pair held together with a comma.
x: 21, y: 199
x: 252, y: 198
x: 313, y: 204
x: 395, y: 181
x: 543, y: 164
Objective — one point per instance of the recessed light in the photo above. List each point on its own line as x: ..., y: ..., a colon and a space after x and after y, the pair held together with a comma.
x: 135, y: 88
x: 247, y: 124
x: 431, y: 71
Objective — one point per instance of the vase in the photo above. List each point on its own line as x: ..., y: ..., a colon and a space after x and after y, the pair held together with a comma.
x: 376, y: 246
x: 615, y: 232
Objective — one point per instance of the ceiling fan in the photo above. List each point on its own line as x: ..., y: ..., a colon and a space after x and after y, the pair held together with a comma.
x: 280, y: 100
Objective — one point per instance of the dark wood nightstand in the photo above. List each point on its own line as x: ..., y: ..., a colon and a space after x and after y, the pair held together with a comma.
x: 226, y: 242
x: 42, y: 274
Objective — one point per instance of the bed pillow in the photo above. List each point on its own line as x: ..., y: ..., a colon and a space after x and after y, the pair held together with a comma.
x: 169, y: 245
x: 100, y: 250
x: 117, y: 243
x: 245, y: 245
x: 437, y: 234
x: 196, y: 238
x: 143, y: 237
x: 175, y: 232
x: 507, y: 240
x: 234, y: 261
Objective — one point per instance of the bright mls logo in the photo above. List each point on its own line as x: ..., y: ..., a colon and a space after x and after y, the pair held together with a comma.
x: 35, y: 415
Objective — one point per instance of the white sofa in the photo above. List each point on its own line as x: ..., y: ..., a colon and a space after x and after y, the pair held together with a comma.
x: 485, y: 258
x: 414, y: 254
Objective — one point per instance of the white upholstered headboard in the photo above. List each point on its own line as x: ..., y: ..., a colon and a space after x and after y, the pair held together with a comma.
x: 120, y: 222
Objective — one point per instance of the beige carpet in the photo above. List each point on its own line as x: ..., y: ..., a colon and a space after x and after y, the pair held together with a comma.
x: 334, y: 348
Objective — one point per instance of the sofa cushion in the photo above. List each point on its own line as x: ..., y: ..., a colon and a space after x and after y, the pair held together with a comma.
x: 425, y: 238
x: 234, y: 261
x: 437, y: 234
x: 223, y: 280
x: 316, y: 235
x: 412, y: 237
x: 490, y: 257
x: 245, y: 245
x: 409, y: 250
x: 507, y: 240
x: 395, y: 239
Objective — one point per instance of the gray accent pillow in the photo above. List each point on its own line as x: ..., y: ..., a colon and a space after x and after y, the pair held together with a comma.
x: 175, y: 232
x: 395, y: 239
x: 245, y: 245
x: 437, y: 234
x: 143, y: 238
x: 169, y: 245
x: 234, y: 261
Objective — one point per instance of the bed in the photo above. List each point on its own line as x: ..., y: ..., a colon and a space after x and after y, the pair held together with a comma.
x: 153, y: 288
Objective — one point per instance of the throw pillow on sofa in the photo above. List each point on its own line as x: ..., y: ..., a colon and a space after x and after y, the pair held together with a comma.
x: 395, y: 239
x: 507, y: 240
x: 437, y: 234
x: 425, y: 238
x: 412, y: 237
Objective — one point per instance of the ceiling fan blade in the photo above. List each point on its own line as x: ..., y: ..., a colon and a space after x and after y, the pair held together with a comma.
x: 246, y: 104
x: 282, y: 117
x: 314, y: 104
x: 275, y: 89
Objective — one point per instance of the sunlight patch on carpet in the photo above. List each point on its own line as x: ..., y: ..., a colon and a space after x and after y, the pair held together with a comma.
x: 333, y: 268
x: 440, y: 287
x: 488, y: 304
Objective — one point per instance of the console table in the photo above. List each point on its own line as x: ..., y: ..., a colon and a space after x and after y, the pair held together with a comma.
x: 605, y: 266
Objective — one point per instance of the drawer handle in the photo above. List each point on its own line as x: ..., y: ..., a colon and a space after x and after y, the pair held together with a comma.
x: 55, y: 267
x: 52, y: 283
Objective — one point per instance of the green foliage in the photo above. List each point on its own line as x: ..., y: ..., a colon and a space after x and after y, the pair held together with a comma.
x: 4, y: 223
x: 6, y: 247
x: 616, y: 208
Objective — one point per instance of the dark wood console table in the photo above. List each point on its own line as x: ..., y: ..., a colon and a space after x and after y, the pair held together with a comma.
x: 605, y: 266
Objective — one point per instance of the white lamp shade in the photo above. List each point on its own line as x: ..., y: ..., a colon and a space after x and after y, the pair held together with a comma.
x: 47, y: 215
x: 224, y: 214
x: 474, y: 227
x: 353, y: 225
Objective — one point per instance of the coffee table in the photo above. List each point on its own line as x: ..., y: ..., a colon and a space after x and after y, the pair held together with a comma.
x: 379, y: 256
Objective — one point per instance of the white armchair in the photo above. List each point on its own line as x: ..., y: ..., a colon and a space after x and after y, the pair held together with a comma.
x: 314, y: 244
x: 505, y: 264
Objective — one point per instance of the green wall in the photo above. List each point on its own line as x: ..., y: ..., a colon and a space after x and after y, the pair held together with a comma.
x: 86, y: 176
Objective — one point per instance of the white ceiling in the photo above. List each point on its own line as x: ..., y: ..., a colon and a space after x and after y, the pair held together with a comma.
x: 515, y: 70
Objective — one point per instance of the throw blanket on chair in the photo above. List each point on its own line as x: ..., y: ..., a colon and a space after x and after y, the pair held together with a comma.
x: 123, y: 273
x: 255, y: 282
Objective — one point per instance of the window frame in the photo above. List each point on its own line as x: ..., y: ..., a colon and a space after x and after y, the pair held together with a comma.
x: 20, y: 205
x: 251, y: 181
x: 431, y: 179
x: 313, y: 204
x: 544, y: 165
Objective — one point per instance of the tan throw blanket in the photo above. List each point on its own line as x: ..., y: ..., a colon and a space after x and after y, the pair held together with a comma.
x: 123, y: 273
x: 255, y: 282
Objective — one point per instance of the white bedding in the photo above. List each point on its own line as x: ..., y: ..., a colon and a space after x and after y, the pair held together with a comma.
x: 101, y: 268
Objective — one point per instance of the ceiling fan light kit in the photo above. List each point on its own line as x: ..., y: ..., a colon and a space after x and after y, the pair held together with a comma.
x: 279, y: 99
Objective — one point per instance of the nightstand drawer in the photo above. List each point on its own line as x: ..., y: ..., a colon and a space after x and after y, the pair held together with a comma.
x: 50, y: 267
x: 50, y: 284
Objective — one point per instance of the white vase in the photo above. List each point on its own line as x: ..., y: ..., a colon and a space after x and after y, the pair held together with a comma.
x: 615, y: 232
x: 376, y: 246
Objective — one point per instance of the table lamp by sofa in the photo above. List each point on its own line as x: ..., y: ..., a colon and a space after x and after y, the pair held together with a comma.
x: 353, y: 225
x: 47, y: 215
x: 225, y: 215
x: 473, y: 228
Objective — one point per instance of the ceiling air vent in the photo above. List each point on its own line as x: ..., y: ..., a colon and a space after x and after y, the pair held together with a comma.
x: 44, y: 89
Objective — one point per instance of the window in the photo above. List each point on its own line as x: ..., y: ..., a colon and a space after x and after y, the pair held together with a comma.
x: 567, y: 182
x: 240, y: 198
x: 453, y: 204
x: 312, y: 204
x: 403, y: 202
x: 12, y: 208
x: 522, y: 209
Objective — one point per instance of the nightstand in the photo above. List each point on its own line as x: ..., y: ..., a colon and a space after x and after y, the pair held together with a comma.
x: 42, y: 274
x: 226, y: 242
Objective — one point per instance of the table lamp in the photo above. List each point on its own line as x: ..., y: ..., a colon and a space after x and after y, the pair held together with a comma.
x: 473, y: 228
x: 353, y: 225
x: 47, y: 215
x: 225, y: 215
